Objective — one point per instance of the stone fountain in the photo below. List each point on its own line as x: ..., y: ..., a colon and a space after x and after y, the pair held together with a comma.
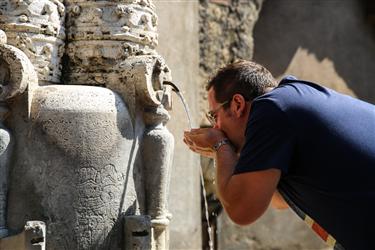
x: 85, y: 155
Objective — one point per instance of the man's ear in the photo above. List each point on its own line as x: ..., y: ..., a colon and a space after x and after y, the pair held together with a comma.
x: 238, y: 105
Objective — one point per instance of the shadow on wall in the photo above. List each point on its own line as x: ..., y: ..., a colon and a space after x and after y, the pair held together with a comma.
x: 333, y: 33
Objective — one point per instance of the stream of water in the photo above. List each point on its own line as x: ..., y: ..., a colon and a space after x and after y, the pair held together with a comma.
x: 187, y: 111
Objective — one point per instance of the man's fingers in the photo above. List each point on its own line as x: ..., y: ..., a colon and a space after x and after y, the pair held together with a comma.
x: 204, y: 152
x: 196, y: 131
x: 188, y: 141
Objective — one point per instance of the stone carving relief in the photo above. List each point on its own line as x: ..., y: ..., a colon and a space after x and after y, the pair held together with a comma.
x: 16, y: 72
x: 158, y: 143
x: 37, y: 28
x: 106, y: 152
x: 103, y: 34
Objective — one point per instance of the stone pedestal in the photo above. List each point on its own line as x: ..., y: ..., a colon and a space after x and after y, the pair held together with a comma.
x: 33, y: 237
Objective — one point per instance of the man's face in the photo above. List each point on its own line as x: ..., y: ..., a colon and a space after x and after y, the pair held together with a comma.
x: 231, y: 120
x: 225, y: 121
x: 216, y: 109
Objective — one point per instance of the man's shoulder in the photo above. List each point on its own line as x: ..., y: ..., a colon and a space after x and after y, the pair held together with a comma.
x: 293, y: 93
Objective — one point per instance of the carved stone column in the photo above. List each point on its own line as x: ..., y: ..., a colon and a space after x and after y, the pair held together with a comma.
x: 37, y: 28
x: 147, y: 74
x: 157, y: 152
x: 103, y: 34
x: 111, y: 44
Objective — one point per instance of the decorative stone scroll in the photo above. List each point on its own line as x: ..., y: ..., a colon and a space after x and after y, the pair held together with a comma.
x: 16, y: 70
x: 16, y: 73
x: 37, y: 28
x: 140, y: 82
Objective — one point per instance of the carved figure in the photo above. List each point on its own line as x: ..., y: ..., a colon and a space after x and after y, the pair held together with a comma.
x: 12, y: 83
x: 95, y: 139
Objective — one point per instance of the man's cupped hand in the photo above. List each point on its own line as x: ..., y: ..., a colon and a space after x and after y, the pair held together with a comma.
x: 202, y: 140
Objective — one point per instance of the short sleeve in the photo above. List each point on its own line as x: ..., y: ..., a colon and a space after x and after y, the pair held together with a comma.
x: 270, y: 139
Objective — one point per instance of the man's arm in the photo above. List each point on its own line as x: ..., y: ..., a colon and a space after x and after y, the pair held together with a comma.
x: 245, y: 196
x: 278, y: 201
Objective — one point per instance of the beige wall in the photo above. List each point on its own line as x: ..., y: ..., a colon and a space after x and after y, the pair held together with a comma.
x: 178, y: 44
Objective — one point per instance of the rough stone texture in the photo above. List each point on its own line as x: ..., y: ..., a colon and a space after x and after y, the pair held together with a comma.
x: 137, y: 231
x: 140, y: 83
x: 37, y: 28
x: 156, y: 149
x: 3, y: 37
x: 6, y: 146
x: 16, y: 72
x: 33, y: 237
x: 83, y: 181
x: 224, y: 36
x: 178, y: 43
x: 85, y: 156
x: 102, y: 34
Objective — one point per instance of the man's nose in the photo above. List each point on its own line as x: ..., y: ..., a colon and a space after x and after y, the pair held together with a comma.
x: 216, y: 126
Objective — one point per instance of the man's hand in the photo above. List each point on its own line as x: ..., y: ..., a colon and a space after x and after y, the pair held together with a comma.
x: 202, y: 140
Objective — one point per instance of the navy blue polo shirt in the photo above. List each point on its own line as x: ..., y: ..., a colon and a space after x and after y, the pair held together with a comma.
x: 324, y: 144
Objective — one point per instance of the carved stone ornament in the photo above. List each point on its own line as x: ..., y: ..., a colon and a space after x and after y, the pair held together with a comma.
x: 148, y: 74
x: 16, y: 71
x: 106, y: 152
x: 37, y: 28
x: 103, y: 34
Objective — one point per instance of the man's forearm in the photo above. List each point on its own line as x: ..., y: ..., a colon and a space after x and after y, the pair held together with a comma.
x: 226, y: 158
x: 245, y: 196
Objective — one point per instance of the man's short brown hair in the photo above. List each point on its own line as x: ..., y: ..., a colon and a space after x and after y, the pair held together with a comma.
x: 241, y: 77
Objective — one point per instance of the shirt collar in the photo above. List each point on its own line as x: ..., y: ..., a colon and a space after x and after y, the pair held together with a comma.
x: 287, y: 79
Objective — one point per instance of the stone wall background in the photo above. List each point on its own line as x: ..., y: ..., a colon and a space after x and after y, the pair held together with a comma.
x: 225, y: 28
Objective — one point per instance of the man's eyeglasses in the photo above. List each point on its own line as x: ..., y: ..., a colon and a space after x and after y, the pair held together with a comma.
x: 211, y: 115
